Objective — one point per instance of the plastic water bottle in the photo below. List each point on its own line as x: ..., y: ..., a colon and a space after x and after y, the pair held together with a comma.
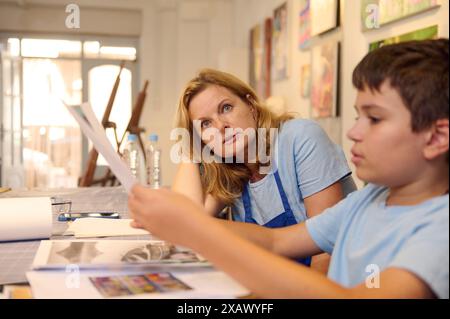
x: 153, y: 155
x: 134, y: 157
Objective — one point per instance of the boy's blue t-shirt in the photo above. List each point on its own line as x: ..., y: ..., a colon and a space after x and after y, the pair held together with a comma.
x: 307, y: 162
x: 362, y: 232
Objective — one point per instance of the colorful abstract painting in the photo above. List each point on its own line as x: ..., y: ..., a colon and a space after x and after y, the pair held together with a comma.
x: 304, y: 25
x: 376, y: 13
x: 260, y: 57
x: 256, y: 57
x: 324, y: 16
x: 325, y: 69
x: 305, y: 80
x: 267, y: 59
x: 280, y: 43
x: 422, y: 34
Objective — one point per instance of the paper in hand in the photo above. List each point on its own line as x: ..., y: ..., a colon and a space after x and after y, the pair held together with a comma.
x: 93, y: 130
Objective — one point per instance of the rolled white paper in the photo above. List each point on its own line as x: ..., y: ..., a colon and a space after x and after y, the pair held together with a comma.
x: 25, y: 218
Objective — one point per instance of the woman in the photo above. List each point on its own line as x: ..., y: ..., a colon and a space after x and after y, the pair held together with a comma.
x: 304, y: 174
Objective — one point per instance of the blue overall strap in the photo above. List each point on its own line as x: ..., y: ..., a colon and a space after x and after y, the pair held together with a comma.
x: 287, y: 218
x: 290, y: 219
x: 284, y: 219
x: 247, y: 205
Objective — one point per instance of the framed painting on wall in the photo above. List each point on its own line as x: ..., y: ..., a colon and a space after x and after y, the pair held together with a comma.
x: 422, y: 34
x: 305, y: 80
x: 260, y: 58
x: 376, y: 13
x: 256, y: 58
x: 324, y: 16
x: 304, y: 25
x: 280, y: 43
x: 267, y: 59
x: 325, y: 80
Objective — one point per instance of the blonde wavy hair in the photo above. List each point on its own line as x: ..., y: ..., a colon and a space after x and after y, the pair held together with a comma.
x: 225, y: 181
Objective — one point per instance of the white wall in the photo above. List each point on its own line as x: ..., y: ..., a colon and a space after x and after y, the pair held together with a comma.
x: 50, y: 15
x: 190, y: 35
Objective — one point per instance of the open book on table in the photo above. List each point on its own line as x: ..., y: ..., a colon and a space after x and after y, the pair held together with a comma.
x: 97, y: 254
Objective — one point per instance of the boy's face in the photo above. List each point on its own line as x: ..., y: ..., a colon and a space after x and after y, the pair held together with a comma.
x: 386, y: 151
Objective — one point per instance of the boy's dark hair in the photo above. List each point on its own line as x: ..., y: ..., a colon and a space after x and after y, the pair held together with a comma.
x: 418, y: 70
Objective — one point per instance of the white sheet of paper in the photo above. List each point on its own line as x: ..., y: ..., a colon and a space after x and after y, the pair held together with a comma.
x: 92, y: 119
x: 25, y: 218
x: 102, y: 144
x: 71, y: 284
x: 103, y: 227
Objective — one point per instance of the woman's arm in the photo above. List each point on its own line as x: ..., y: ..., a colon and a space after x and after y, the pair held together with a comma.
x: 316, y: 204
x: 187, y: 182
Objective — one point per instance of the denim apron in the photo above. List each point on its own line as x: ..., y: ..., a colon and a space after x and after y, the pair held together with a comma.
x: 284, y: 219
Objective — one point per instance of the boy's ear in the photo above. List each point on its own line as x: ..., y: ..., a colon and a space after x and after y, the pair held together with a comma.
x: 438, y: 140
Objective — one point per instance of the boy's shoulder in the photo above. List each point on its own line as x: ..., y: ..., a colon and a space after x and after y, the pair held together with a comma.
x: 371, y: 191
x: 436, y: 211
x: 372, y: 194
x: 357, y: 203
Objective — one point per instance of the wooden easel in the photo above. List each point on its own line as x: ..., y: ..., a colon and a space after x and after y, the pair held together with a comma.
x: 88, y: 177
x: 132, y: 128
x: 133, y: 124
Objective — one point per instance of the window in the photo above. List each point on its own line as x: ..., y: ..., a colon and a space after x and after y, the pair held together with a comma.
x: 74, y: 71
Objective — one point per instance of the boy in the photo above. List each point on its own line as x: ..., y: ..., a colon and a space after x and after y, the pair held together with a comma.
x: 388, y: 240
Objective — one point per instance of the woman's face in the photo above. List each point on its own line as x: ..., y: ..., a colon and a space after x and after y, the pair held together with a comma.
x: 225, y: 123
